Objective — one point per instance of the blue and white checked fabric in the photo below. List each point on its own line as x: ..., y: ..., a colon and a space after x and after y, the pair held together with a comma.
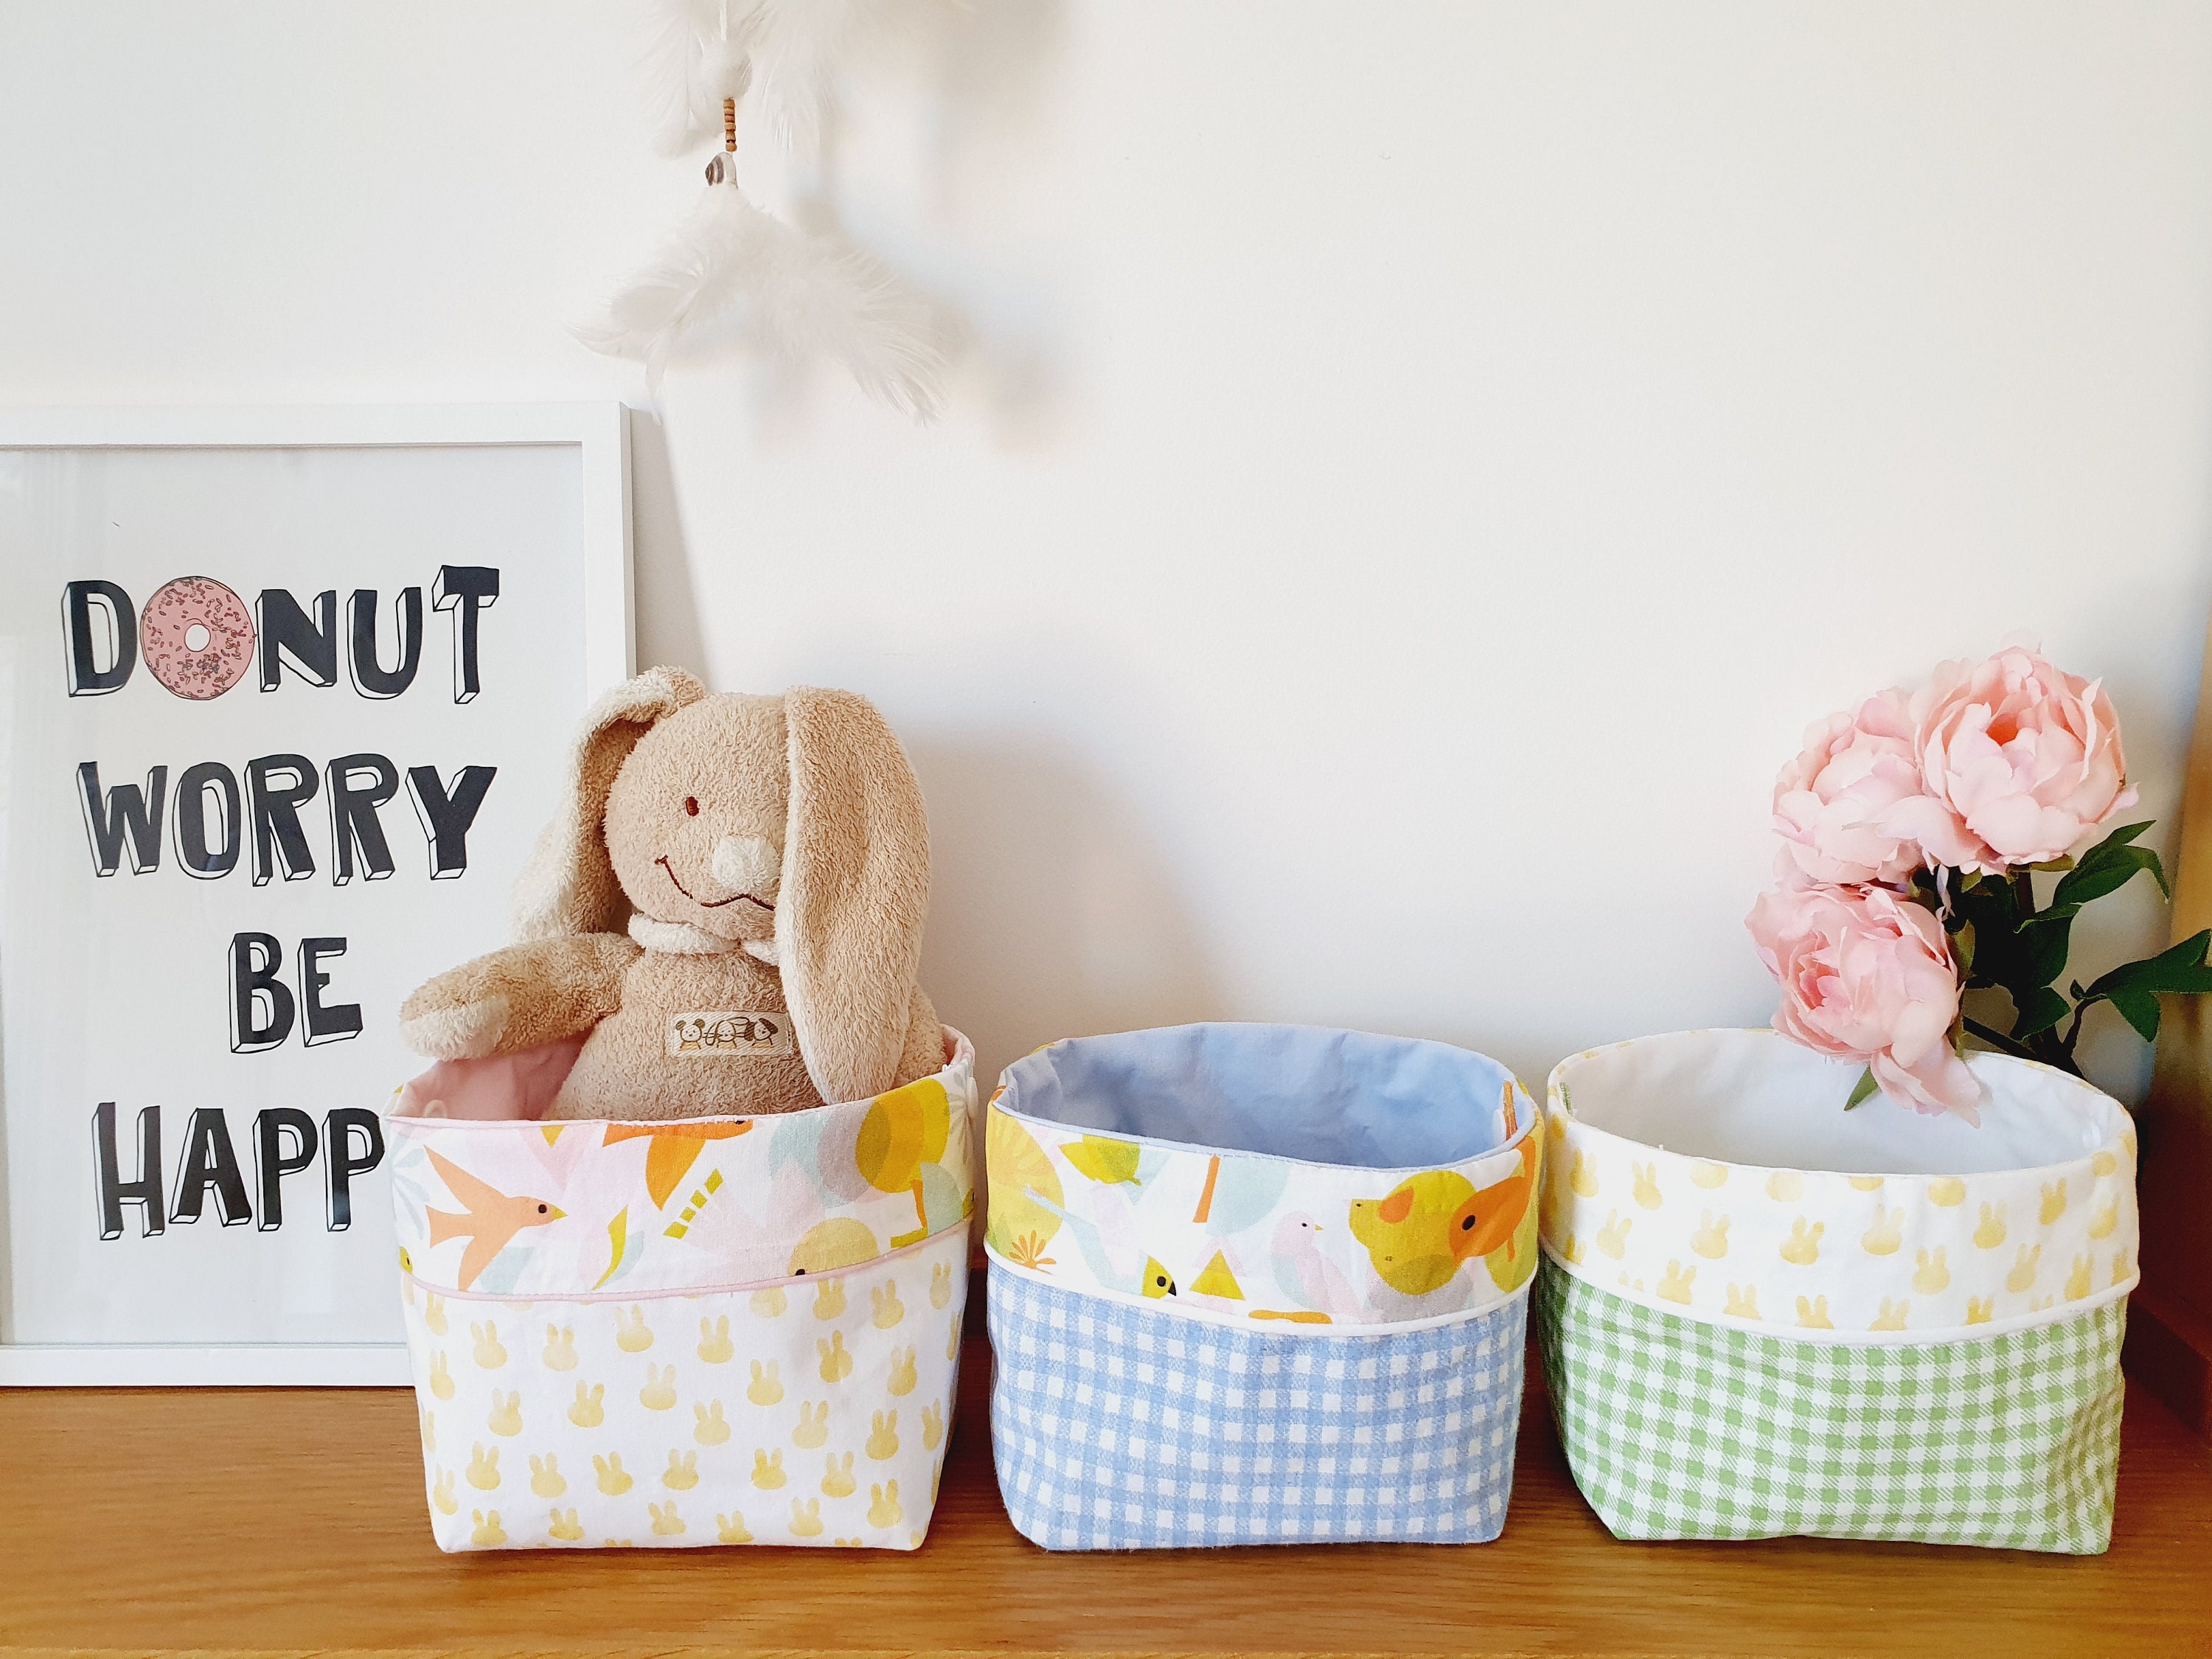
x: 1118, y: 1427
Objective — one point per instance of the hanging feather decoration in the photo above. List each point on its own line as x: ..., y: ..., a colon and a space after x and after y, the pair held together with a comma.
x: 689, y: 66
x: 794, y: 46
x: 729, y: 267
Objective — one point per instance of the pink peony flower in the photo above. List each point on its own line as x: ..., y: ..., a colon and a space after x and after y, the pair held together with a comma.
x: 1867, y: 975
x: 2019, y: 761
x: 1832, y: 804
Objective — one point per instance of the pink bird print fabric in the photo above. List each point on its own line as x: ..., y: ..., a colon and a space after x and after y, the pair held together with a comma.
x: 514, y: 1207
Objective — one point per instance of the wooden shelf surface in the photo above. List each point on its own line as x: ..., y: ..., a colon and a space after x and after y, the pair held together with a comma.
x: 257, y: 1521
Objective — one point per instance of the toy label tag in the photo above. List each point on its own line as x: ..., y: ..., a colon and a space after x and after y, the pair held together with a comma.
x: 724, y: 1036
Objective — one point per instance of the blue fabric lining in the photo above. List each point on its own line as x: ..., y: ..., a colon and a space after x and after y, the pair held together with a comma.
x: 1293, y: 1092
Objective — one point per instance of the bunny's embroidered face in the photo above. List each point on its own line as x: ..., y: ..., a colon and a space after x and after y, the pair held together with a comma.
x: 694, y: 822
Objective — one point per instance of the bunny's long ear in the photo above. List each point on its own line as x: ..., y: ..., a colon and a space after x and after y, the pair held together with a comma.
x: 569, y: 886
x: 855, y: 892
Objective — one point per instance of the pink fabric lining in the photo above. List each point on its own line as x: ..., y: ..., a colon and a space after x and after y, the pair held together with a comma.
x: 499, y: 1088
x: 516, y: 1088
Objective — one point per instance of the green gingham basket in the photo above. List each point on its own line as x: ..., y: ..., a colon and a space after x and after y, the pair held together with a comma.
x: 1760, y: 1316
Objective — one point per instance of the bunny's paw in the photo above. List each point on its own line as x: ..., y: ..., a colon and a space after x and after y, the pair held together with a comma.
x: 438, y: 1025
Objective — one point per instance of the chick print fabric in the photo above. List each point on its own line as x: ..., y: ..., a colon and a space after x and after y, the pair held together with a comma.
x: 1254, y: 1237
x: 697, y: 1333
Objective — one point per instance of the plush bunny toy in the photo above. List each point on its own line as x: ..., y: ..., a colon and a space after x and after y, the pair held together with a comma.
x: 729, y: 903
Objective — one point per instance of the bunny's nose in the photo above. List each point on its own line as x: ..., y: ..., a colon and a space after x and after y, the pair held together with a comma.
x: 748, y: 864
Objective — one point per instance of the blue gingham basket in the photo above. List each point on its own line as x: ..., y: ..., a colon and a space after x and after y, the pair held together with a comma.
x: 1257, y: 1284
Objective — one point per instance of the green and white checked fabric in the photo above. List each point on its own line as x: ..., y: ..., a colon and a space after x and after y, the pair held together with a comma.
x: 1678, y: 1428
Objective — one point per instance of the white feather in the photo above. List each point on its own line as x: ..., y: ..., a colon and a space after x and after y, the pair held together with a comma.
x: 678, y: 33
x: 795, y: 48
x: 728, y: 266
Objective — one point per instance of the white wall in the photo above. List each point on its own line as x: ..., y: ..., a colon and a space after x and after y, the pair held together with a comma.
x: 1417, y: 468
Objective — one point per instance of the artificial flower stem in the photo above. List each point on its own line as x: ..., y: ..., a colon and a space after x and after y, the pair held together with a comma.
x: 2074, y: 1034
x: 1999, y: 1041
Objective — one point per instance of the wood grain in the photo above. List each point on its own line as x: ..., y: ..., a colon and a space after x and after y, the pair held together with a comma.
x: 267, y: 1520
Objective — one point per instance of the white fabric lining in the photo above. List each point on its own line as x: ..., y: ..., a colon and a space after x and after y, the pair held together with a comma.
x: 1804, y: 1239
x: 1753, y: 1098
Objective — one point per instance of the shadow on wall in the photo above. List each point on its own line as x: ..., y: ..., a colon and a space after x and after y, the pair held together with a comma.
x: 995, y: 85
x: 1050, y: 915
x: 986, y: 69
x: 991, y: 80
x: 665, y: 604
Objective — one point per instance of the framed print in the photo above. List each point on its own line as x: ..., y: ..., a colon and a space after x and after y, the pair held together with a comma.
x: 284, y: 695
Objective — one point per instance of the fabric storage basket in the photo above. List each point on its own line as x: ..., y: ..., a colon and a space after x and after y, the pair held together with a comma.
x: 1762, y: 1315
x: 1257, y: 1284
x: 703, y: 1331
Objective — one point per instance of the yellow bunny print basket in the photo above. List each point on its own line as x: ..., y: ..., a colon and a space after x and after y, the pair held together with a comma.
x: 1761, y: 1314
x: 706, y: 1331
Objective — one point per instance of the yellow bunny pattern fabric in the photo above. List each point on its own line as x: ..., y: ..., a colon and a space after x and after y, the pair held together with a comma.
x: 812, y: 1412
x: 1864, y: 1258
x: 1911, y: 1327
x: 690, y: 1333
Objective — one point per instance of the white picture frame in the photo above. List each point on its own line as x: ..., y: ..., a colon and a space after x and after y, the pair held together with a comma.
x: 425, y: 449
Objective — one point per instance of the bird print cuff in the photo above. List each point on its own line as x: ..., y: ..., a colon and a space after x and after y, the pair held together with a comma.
x: 521, y: 1209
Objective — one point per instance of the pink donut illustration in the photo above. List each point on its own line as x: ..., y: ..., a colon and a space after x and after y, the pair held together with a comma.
x: 197, y: 637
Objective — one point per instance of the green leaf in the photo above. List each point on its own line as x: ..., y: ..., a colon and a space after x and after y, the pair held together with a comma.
x: 2140, y: 1010
x: 2109, y: 850
x: 2178, y: 971
x: 1863, y: 1089
x: 2042, y: 1009
x: 2101, y: 873
x: 2134, y: 987
x: 2043, y: 957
